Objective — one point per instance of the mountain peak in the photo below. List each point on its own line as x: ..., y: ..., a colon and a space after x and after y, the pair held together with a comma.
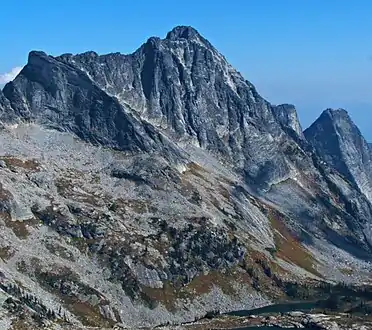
x: 338, y: 140
x: 187, y: 33
x: 181, y: 143
x: 336, y: 113
x: 286, y: 114
x: 333, y: 120
x: 36, y: 53
x: 36, y: 57
x: 183, y: 32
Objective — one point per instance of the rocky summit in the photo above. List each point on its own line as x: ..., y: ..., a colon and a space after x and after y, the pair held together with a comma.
x: 157, y: 187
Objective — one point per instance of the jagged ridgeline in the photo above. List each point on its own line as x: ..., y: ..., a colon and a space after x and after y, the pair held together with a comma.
x: 159, y: 186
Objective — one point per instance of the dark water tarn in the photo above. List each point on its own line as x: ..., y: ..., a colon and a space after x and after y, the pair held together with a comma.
x: 263, y: 328
x: 269, y: 328
x: 339, y: 298
x: 278, y: 308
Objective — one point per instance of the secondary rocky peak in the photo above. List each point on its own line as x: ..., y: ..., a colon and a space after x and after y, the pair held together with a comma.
x: 286, y: 114
x: 338, y: 140
x: 334, y: 120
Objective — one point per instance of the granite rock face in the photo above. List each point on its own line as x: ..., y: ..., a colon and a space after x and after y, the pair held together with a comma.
x: 286, y: 114
x: 159, y: 186
x: 57, y: 95
x: 186, y: 88
x: 181, y: 84
x: 5, y: 108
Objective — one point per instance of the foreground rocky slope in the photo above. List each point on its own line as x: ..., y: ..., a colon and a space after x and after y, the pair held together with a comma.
x: 154, y: 187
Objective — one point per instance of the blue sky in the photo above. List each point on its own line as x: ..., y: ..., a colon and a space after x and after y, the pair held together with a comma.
x: 312, y: 53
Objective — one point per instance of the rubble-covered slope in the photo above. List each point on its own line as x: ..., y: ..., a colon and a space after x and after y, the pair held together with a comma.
x: 100, y: 237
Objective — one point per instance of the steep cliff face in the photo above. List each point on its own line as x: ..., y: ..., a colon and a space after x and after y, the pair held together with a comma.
x: 339, y: 142
x: 286, y: 114
x: 5, y: 108
x: 60, y: 96
x: 209, y: 191
x: 186, y: 88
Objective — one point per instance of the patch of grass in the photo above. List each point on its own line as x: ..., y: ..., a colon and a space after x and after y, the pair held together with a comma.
x: 5, y: 195
x: 224, y: 192
x: 288, y: 247
x: 167, y: 295
x: 65, y: 187
x: 265, y: 275
x: 202, y: 284
x: 198, y: 171
x: 25, y: 268
x: 194, y: 167
x: 28, y: 164
x: 59, y: 250
x: 138, y: 206
x: 347, y: 271
x: 20, y: 228
x: 89, y: 315
x: 226, y: 180
x: 215, y: 202
x: 81, y: 243
x: 66, y: 284
x: 21, y: 324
